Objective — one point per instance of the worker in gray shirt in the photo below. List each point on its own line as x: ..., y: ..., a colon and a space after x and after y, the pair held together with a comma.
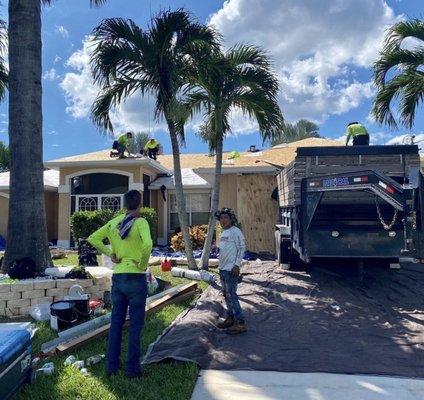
x: 231, y: 251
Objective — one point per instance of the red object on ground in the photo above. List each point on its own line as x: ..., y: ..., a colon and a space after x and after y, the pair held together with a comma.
x: 94, y: 304
x: 166, y: 265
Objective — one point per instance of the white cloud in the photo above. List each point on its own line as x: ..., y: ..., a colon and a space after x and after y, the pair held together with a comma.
x: 57, y: 59
x: 406, y: 139
x: 51, y: 75
x: 80, y: 92
x: 317, y: 48
x: 62, y: 31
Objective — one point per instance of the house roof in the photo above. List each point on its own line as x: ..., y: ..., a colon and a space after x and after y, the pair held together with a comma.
x: 191, y: 180
x: 102, y: 158
x: 51, y: 180
x: 281, y: 155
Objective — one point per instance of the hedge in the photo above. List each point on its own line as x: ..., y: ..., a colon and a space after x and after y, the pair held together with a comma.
x: 84, y: 223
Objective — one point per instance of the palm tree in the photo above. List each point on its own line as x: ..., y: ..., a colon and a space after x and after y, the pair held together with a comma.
x: 127, y: 60
x: 302, y: 129
x: 240, y: 79
x: 27, y: 229
x: 4, y: 157
x: 407, y: 84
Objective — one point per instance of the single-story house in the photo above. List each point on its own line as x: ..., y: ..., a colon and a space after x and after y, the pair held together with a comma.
x: 95, y: 180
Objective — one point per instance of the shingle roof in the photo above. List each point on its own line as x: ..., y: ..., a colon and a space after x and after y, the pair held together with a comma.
x: 51, y: 179
x: 191, y: 180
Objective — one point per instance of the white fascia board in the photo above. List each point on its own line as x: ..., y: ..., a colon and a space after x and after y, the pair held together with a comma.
x: 107, y: 163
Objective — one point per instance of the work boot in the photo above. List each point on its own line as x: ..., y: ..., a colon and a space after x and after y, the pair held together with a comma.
x: 236, y: 328
x: 226, y: 323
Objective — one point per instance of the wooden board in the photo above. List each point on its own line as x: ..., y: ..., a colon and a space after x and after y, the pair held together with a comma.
x: 257, y: 211
x: 181, y: 294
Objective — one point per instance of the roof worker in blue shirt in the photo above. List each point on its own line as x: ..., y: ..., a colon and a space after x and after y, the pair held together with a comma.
x: 231, y: 251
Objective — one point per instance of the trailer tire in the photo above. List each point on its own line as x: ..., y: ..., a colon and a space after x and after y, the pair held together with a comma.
x: 295, y: 260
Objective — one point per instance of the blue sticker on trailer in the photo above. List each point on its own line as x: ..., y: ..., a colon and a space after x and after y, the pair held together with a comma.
x: 334, y: 182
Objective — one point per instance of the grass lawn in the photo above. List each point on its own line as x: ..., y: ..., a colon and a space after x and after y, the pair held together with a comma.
x: 163, y: 381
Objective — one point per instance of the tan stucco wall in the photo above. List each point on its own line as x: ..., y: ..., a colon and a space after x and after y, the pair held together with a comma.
x: 64, y: 198
x: 63, y: 216
x: 51, y: 214
x: 136, y: 171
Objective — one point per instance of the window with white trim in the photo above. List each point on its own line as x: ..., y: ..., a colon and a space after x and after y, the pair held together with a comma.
x: 197, y: 206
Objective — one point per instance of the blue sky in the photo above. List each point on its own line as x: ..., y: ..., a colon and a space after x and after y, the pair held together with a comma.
x: 322, y: 53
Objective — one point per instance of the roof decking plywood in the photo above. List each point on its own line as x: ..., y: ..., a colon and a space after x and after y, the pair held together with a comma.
x: 281, y: 155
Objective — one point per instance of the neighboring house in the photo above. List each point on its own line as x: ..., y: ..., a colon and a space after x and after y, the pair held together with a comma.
x: 51, y: 183
x: 94, y: 181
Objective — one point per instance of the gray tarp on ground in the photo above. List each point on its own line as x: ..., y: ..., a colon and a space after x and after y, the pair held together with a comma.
x: 316, y: 321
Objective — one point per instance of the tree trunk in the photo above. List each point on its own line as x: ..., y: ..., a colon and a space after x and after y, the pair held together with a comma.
x: 215, y: 199
x: 179, y: 195
x: 27, y: 229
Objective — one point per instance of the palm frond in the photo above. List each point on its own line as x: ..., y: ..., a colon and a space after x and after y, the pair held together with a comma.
x: 412, y: 97
x: 248, y: 54
x: 110, y: 97
x: 402, y: 30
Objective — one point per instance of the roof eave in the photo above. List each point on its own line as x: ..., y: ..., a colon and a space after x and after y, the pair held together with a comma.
x: 106, y: 163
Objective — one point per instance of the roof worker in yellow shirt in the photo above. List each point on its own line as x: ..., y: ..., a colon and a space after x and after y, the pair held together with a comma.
x: 152, y: 148
x: 359, y: 134
x: 131, y: 245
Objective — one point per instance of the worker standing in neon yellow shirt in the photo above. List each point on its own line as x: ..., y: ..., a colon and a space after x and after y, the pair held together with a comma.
x: 152, y: 148
x: 358, y: 133
x: 131, y: 245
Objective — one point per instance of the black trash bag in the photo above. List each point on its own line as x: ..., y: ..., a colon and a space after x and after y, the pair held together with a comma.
x: 78, y: 273
x: 24, y: 268
x: 87, y: 255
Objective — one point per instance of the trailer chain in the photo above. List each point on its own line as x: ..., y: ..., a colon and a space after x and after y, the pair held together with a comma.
x: 380, y: 216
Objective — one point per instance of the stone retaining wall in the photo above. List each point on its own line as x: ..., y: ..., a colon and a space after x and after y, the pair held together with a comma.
x: 17, y: 298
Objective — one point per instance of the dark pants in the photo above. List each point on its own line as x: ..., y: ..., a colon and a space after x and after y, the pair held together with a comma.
x: 229, y: 290
x: 128, y: 290
x: 121, y: 150
x: 361, y: 140
x: 152, y: 153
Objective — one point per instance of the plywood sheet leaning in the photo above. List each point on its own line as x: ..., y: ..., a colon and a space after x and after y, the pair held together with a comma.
x: 254, y: 204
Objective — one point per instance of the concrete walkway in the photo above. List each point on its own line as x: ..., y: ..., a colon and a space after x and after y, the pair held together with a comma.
x: 262, y: 385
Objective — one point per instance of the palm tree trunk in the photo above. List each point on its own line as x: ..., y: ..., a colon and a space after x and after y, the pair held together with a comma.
x: 179, y: 195
x: 215, y: 199
x: 27, y: 230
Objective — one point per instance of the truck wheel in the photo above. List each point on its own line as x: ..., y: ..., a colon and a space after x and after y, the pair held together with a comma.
x: 295, y: 260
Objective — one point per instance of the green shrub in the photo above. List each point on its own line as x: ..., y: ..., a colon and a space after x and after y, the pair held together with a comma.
x: 84, y: 223
x: 151, y: 217
x: 198, y: 235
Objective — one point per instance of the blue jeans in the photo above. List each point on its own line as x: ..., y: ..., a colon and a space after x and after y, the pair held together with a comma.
x: 229, y: 290
x: 128, y: 290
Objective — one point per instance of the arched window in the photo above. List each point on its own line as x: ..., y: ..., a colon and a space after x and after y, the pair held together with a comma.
x: 98, y: 191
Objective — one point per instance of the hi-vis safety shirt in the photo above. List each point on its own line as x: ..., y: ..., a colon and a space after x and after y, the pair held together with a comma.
x: 150, y: 145
x: 355, y: 130
x: 133, y: 251
x: 123, y: 140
